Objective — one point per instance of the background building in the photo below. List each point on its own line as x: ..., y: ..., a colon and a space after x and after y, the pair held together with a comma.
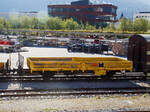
x: 18, y: 14
x: 144, y: 15
x: 85, y: 11
x: 4, y: 15
x: 29, y: 14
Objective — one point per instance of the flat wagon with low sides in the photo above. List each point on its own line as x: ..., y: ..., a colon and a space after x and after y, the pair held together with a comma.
x: 4, y: 67
x: 98, y: 66
x: 1, y: 67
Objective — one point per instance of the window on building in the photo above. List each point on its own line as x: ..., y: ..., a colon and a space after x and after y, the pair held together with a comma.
x: 77, y: 10
x: 49, y: 10
x: 91, y: 16
x: 112, y: 18
x: 87, y: 9
x: 113, y: 10
x: 105, y: 17
x: 107, y: 9
x: 98, y: 9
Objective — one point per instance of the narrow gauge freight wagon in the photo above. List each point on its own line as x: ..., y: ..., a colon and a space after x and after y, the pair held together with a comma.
x: 2, y: 67
x: 98, y: 66
x: 139, y: 53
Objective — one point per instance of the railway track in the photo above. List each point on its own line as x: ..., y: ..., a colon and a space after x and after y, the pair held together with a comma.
x: 68, y: 92
x: 133, y: 111
x: 78, y: 77
x: 69, y: 78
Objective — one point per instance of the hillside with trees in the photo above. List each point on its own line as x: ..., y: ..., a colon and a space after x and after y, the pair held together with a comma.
x: 125, y: 25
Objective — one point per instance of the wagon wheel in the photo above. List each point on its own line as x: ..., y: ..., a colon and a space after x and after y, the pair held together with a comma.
x: 109, y: 75
x: 68, y: 73
x: 46, y: 75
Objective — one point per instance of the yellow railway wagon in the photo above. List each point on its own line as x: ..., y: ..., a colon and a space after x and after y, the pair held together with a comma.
x: 1, y: 66
x: 100, y: 65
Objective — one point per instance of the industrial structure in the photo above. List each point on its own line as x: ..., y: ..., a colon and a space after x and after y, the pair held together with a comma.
x: 84, y: 11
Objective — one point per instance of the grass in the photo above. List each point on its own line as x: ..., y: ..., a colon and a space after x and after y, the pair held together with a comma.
x: 7, y: 111
x: 89, y: 31
x: 50, y: 110
x: 144, y: 95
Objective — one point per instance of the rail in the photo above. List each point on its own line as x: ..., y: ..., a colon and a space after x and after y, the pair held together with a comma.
x: 33, y: 78
x: 68, y: 92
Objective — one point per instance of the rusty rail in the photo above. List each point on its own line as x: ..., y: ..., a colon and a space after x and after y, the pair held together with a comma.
x: 67, y: 92
x: 70, y: 78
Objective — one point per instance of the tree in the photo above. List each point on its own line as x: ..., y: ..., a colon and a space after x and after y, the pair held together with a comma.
x: 123, y: 24
x: 70, y: 24
x: 42, y: 25
x: 34, y: 23
x: 14, y: 21
x: 1, y: 24
x: 148, y: 25
x: 122, y: 16
x: 112, y: 27
x: 89, y: 27
x: 129, y: 24
x: 25, y: 22
x: 140, y: 25
x: 42, y: 21
x: 101, y: 25
x: 82, y: 26
x: 55, y: 23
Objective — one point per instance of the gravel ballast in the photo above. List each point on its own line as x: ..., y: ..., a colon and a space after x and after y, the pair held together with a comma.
x: 93, y: 103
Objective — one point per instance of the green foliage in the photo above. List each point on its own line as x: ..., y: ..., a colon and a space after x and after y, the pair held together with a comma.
x: 144, y: 95
x: 24, y: 22
x: 126, y: 25
x: 70, y: 24
x: 41, y: 25
x: 1, y: 23
x: 140, y: 25
x: 123, y: 24
x: 129, y: 24
x: 50, y: 110
x: 14, y: 22
x: 111, y: 27
x: 89, y: 27
x: 149, y: 25
x: 82, y: 26
x: 34, y: 23
x: 55, y: 23
x: 102, y: 25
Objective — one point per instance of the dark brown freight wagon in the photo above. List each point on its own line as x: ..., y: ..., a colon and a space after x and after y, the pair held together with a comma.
x: 139, y: 52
